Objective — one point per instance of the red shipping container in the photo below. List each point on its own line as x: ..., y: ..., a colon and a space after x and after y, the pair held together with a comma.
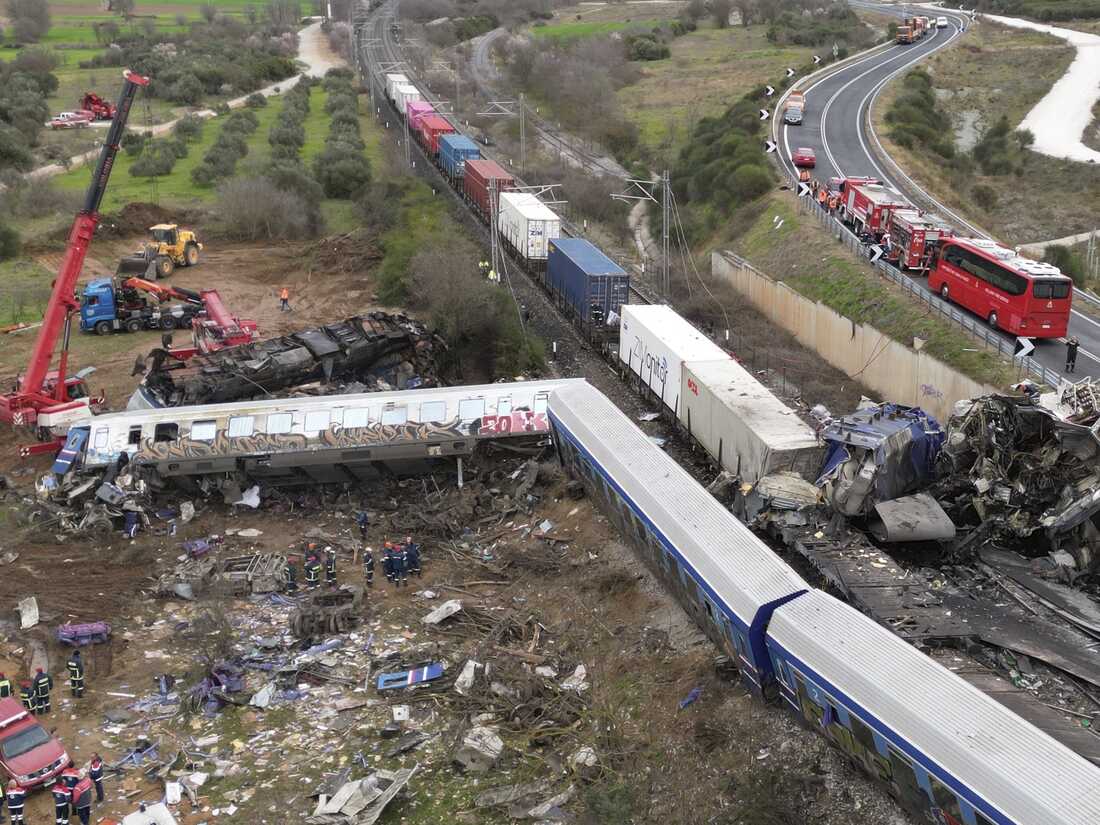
x: 476, y: 182
x: 431, y: 127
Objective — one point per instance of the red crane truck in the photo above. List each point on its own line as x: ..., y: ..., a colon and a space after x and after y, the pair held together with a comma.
x: 51, y: 400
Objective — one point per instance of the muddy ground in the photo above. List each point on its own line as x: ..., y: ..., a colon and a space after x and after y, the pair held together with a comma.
x: 527, y: 602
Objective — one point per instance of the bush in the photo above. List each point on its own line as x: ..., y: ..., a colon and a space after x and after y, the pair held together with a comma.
x: 10, y: 243
x: 255, y: 101
x: 985, y: 196
x: 1066, y: 260
x: 256, y: 209
x: 341, y: 170
x: 204, y: 174
x: 751, y: 181
x: 14, y: 151
x: 242, y: 122
x: 188, y: 90
x: 156, y: 161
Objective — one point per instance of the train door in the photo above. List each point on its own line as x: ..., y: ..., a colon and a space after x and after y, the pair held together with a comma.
x: 72, y: 451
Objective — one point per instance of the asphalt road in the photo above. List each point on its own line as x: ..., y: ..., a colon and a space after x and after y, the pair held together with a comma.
x: 833, y: 126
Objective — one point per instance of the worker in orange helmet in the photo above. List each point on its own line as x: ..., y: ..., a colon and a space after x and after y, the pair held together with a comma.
x: 284, y: 299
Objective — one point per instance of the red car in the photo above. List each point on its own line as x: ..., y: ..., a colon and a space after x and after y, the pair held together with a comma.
x: 71, y: 120
x: 804, y: 157
x: 27, y: 751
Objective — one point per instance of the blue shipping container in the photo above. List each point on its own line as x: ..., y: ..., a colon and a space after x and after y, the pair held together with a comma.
x: 454, y: 151
x: 581, y: 277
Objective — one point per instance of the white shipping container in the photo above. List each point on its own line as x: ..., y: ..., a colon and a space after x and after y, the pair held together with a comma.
x: 403, y: 93
x: 528, y: 224
x: 654, y: 342
x: 743, y: 426
x: 392, y: 81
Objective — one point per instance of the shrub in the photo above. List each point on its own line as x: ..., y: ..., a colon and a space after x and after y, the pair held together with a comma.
x: 341, y: 170
x: 751, y: 181
x: 156, y: 161
x: 10, y: 243
x: 187, y: 90
x: 204, y: 174
x: 985, y: 196
x: 1066, y: 260
x: 287, y: 134
x: 188, y: 128
x: 255, y: 101
x: 256, y: 209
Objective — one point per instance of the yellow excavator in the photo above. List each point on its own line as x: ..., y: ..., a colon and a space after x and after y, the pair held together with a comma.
x: 170, y: 247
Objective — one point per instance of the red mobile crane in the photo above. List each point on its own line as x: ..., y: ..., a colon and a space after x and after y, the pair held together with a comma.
x: 44, y: 398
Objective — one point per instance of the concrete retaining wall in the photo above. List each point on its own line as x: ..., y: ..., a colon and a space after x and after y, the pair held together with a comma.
x: 896, y: 372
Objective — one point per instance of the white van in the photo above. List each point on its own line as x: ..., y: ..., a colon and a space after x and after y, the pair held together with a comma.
x: 941, y: 22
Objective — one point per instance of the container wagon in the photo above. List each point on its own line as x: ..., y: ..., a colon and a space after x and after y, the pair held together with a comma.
x: 587, y: 285
x: 527, y: 225
x: 654, y: 344
x: 432, y: 127
x: 404, y: 94
x: 480, y: 176
x: 742, y: 425
x: 455, y: 151
x: 392, y: 82
x: 416, y: 109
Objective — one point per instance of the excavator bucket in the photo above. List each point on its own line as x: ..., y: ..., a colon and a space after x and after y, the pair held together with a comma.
x: 139, y: 264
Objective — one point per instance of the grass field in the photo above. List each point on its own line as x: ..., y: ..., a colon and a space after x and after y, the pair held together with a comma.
x: 709, y: 69
x: 803, y: 255
x: 578, y: 30
x: 996, y: 70
x: 24, y: 291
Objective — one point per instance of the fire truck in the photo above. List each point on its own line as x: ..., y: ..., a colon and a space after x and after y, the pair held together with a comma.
x: 914, y: 239
x: 866, y: 204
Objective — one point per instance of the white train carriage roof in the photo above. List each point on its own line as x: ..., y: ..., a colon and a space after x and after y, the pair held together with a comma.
x: 741, y: 571
x: 977, y: 741
x: 522, y: 393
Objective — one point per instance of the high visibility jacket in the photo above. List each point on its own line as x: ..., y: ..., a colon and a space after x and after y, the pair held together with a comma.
x: 284, y: 294
x: 313, y: 572
x: 62, y: 794
x: 43, y: 684
x: 330, y: 565
x: 5, y: 688
x: 26, y: 693
x: 76, y: 669
x: 17, y: 795
x: 82, y: 793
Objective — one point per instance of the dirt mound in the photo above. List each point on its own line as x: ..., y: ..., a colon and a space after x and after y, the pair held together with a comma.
x: 351, y: 253
x: 136, y: 218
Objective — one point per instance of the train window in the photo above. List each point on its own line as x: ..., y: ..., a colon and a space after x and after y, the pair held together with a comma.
x: 982, y: 819
x: 540, y: 404
x: 240, y: 426
x: 203, y: 430
x: 707, y: 607
x: 316, y: 420
x: 471, y: 409
x: 434, y: 412
x: 862, y: 733
x: 166, y: 432
x: 504, y: 405
x: 905, y: 777
x: 279, y: 423
x: 102, y: 435
x: 135, y: 435
x: 358, y: 417
x: 946, y: 800
x: 395, y: 415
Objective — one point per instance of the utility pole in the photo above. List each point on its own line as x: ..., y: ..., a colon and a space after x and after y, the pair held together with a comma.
x: 646, y: 190
x: 522, y: 135
x: 510, y: 108
x: 494, y: 228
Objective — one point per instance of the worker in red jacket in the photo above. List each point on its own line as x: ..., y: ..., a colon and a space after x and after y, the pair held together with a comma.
x: 17, y: 795
x: 62, y: 798
x: 82, y: 799
x: 95, y: 773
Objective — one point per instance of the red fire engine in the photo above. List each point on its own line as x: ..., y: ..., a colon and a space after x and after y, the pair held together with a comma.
x: 914, y: 239
x: 866, y: 204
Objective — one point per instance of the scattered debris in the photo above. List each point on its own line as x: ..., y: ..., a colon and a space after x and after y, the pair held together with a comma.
x: 405, y: 678
x: 578, y: 681
x: 480, y: 749
x: 28, y: 612
x: 84, y: 634
x: 444, y: 611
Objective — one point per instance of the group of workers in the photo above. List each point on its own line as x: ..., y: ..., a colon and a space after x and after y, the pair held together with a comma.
x: 825, y: 198
x: 72, y: 794
x: 35, y: 693
x: 487, y: 272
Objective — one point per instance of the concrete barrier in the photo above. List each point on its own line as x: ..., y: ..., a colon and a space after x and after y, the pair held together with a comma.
x: 895, y: 371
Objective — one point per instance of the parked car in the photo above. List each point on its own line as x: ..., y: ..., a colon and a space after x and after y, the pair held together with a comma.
x: 71, y: 120
x: 804, y: 157
x: 941, y: 22
x: 27, y: 751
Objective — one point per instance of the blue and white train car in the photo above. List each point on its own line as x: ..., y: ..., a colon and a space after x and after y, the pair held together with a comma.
x: 725, y: 577
x: 939, y: 743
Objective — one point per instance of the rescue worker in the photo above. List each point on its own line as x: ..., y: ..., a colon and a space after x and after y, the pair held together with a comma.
x: 330, y: 567
x: 76, y: 674
x: 363, y: 520
x: 368, y: 566
x: 17, y: 796
x: 412, y: 550
x: 5, y: 686
x: 62, y: 798
x: 493, y: 277
x: 70, y: 776
x: 82, y: 799
x: 95, y: 773
x: 26, y: 693
x: 284, y: 299
x: 1071, y: 353
x: 822, y: 196
x: 401, y: 565
x: 387, y: 561
x: 43, y: 684
x: 483, y: 268
x: 313, y: 572
x: 290, y: 576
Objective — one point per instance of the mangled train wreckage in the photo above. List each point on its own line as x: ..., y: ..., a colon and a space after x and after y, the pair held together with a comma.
x: 377, y: 351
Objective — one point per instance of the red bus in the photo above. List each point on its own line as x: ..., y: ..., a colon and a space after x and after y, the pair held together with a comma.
x: 1013, y: 293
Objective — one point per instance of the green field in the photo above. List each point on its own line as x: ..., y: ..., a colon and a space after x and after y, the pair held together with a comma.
x: 578, y: 30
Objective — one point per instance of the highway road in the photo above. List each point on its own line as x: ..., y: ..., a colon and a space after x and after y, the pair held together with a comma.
x: 834, y: 127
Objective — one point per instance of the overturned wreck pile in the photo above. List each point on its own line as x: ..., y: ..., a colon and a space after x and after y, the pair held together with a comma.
x: 1024, y: 478
x: 379, y: 351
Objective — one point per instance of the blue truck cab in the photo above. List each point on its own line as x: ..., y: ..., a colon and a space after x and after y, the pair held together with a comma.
x: 98, y: 307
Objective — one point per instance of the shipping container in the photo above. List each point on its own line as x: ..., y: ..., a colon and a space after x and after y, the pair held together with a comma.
x: 393, y: 81
x: 744, y: 427
x: 404, y: 94
x: 476, y: 183
x: 432, y: 127
x: 454, y: 152
x: 416, y: 109
x: 527, y: 225
x: 654, y: 342
x: 583, y: 281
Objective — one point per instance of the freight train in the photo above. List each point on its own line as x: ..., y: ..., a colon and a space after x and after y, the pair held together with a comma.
x: 587, y: 286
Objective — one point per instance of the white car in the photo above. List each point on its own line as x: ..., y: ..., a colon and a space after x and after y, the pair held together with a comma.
x: 941, y: 22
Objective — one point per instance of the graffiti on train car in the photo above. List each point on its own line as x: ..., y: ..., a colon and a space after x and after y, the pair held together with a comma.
x: 260, y: 443
x: 518, y: 421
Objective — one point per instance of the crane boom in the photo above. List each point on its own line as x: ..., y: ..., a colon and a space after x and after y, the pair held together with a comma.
x: 22, y: 406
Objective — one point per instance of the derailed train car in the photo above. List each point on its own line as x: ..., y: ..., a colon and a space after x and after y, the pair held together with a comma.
x: 942, y: 747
